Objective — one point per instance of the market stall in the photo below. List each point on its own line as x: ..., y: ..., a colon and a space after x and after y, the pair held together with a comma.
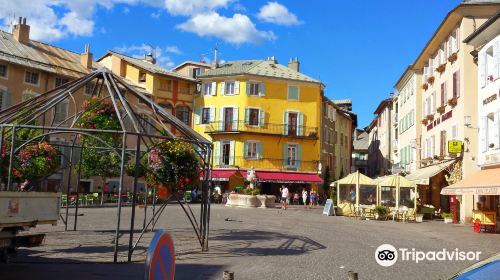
x: 355, y: 191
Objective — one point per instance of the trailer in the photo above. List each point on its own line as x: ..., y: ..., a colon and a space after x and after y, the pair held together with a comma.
x: 20, y: 211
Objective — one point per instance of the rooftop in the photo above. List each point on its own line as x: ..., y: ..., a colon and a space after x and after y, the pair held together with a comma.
x: 265, y: 68
x: 487, y: 31
x: 198, y: 63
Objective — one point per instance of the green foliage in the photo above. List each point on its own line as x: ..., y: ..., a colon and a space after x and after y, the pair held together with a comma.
x: 249, y: 191
x: 35, y: 161
x: 447, y: 215
x: 326, y: 179
x: 381, y: 210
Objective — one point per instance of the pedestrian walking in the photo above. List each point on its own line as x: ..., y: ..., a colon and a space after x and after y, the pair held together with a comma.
x: 312, y: 199
x: 304, y: 197
x: 284, y: 196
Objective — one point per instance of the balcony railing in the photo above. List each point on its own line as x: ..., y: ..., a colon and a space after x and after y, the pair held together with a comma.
x: 360, y: 162
x: 267, y: 163
x: 265, y: 128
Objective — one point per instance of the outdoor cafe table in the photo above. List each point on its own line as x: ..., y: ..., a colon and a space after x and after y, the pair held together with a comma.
x: 367, y: 210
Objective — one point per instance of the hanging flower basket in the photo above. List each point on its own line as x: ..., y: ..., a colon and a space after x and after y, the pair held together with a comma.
x: 452, y: 101
x: 441, y: 68
x: 453, y: 57
x: 430, y: 80
x: 36, y: 161
x: 98, y: 113
x: 441, y: 109
x: 430, y: 117
x: 425, y: 86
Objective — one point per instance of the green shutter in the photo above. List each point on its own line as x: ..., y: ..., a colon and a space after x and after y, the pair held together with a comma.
x: 285, y: 123
x: 245, y: 150
x: 300, y: 124
x: 235, y: 118
x: 299, y: 155
x: 262, y: 89
x: 212, y: 115
x: 221, y: 119
x: 259, y: 150
x: 285, y: 155
x: 197, y: 116
x: 231, y: 152
x: 262, y: 117
x: 248, y: 87
x: 217, y: 153
x: 247, y: 116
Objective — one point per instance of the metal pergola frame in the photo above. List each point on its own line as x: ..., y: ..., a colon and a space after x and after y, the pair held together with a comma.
x: 142, y: 132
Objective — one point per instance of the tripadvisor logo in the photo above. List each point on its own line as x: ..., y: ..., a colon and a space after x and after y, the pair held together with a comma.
x: 387, y: 255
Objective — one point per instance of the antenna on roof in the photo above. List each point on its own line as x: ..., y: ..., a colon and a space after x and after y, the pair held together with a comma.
x: 216, y: 57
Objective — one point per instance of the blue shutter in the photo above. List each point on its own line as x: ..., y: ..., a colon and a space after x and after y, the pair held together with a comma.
x: 262, y: 117
x: 245, y: 150
x: 299, y: 155
x: 259, y: 150
x: 247, y: 116
x: 262, y: 89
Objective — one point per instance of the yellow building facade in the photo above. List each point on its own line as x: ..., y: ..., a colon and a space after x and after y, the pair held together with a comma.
x: 261, y: 121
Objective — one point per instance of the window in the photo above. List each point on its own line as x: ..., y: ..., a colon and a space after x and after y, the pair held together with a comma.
x: 142, y: 77
x: 443, y: 94
x: 292, y: 123
x: 293, y: 93
x: 456, y: 84
x: 61, y: 111
x: 253, y: 150
x: 205, y: 116
x: 443, y: 146
x: 4, y: 98
x: 253, y: 116
x: 166, y: 85
x: 341, y: 139
x: 3, y: 71
x: 196, y: 72
x: 88, y: 89
x: 230, y: 88
x: 292, y: 155
x: 60, y: 81
x: 433, y: 145
x: 31, y: 77
x: 433, y: 103
x: 182, y: 113
x: 208, y: 88
x: 226, y: 153
x: 253, y: 89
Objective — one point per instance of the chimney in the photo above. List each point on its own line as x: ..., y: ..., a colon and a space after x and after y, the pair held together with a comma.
x: 21, y: 31
x: 149, y: 58
x: 294, y: 64
x: 86, y: 57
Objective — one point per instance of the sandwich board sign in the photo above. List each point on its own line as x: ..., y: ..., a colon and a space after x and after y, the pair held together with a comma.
x: 329, y: 209
x: 160, y: 259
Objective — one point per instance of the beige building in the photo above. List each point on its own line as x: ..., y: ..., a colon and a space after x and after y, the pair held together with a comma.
x: 380, y: 139
x: 192, y: 69
x: 407, y: 129
x: 449, y: 94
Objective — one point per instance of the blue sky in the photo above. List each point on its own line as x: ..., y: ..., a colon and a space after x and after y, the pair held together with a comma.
x: 357, y: 48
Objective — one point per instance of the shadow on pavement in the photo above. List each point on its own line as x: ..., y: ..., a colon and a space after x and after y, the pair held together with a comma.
x: 198, y: 271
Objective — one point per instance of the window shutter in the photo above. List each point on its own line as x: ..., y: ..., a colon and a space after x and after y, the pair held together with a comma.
x: 262, y: 89
x: 213, y: 89
x: 482, y: 69
x: 259, y: 150
x: 217, y: 153
x: 222, y: 88
x: 300, y: 124
x: 496, y: 50
x: 262, y: 117
x: 285, y: 123
x: 457, y: 32
x: 190, y: 72
x: 245, y: 149
x: 285, y: 155
x: 197, y: 115
x: 221, y: 118
x: 483, y: 132
x: 231, y: 152
x: 496, y: 125
x: 236, y: 87
x: 299, y: 155
x: 454, y: 132
x: 203, y: 89
x: 6, y: 99
x: 212, y: 115
x: 235, y: 118
x: 247, y: 116
x: 248, y: 88
x: 433, y: 146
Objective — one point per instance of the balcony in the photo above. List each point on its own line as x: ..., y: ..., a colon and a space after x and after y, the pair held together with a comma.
x: 268, y: 164
x: 220, y: 127
x: 360, y: 162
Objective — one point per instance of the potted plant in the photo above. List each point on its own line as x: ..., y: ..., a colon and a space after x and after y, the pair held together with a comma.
x: 425, y: 86
x: 453, y: 57
x: 430, y: 117
x: 491, y: 145
x: 424, y: 121
x: 440, y: 158
x: 430, y: 80
x: 419, y: 218
x: 380, y: 212
x: 452, y: 101
x: 441, y: 68
x: 441, y: 109
x: 448, y: 218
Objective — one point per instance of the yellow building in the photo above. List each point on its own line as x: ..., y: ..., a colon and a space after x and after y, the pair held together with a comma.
x: 171, y: 90
x: 262, y: 115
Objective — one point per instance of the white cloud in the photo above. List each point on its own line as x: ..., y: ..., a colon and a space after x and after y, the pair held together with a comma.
x: 126, y: 10
x: 156, y: 15
x: 139, y: 51
x: 76, y: 25
x: 236, y: 30
x: 274, y: 12
x: 193, y: 7
x: 173, y: 49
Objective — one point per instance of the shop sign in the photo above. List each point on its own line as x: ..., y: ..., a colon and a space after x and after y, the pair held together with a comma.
x: 490, y: 99
x: 454, y: 147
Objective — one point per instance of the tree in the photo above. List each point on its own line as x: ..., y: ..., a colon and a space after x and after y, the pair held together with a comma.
x: 326, y: 180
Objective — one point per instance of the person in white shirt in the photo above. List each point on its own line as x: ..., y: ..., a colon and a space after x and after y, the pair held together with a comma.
x: 304, y: 197
x: 284, y: 196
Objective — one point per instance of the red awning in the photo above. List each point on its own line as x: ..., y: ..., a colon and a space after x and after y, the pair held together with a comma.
x: 287, y: 177
x: 223, y: 175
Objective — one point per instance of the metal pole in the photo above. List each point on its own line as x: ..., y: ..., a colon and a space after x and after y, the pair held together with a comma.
x: 1, y: 148
x: 122, y: 170
x: 78, y: 177
x: 154, y: 206
x: 12, y: 145
x: 209, y: 184
x: 145, y: 205
x: 134, y: 194
x: 69, y: 183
